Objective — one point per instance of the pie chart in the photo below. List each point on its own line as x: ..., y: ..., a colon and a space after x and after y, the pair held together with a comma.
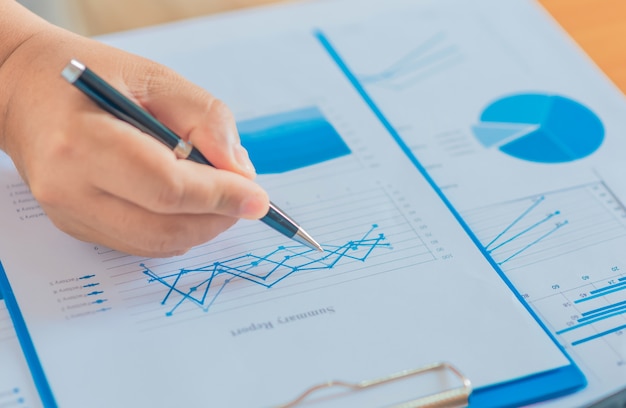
x: 540, y: 128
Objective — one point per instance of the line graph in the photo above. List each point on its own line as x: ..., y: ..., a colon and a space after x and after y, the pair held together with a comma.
x: 531, y: 239
x: 533, y: 226
x: 344, y: 221
x: 433, y: 55
x: 531, y: 229
x: 201, y: 286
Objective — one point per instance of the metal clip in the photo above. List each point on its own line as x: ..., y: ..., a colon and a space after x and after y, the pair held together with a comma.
x: 453, y: 397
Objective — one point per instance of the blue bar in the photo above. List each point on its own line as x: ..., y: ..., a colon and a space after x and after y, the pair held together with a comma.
x: 608, y: 287
x: 604, y: 308
x: 616, y: 309
x: 590, y: 322
x: 595, y: 336
x: 290, y: 140
x: 599, y: 295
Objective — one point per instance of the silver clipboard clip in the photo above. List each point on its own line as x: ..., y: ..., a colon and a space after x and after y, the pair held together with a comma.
x: 457, y: 396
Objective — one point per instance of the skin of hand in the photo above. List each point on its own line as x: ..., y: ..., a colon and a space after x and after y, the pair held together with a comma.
x: 100, y: 179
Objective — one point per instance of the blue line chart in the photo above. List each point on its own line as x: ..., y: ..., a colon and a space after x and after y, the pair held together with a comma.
x: 201, y: 286
x: 539, y: 227
x: 431, y: 56
x: 504, y: 239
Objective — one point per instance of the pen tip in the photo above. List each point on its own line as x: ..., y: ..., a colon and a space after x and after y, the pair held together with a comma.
x: 304, y: 238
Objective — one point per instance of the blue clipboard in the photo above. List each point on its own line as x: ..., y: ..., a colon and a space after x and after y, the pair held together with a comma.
x: 523, y: 391
x: 526, y: 390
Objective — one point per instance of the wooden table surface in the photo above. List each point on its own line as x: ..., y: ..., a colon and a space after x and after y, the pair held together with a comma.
x: 599, y: 26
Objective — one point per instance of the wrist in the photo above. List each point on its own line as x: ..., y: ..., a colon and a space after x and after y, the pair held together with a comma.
x: 17, y: 25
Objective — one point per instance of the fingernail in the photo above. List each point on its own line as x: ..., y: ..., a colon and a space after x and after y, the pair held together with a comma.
x: 242, y: 159
x: 233, y: 137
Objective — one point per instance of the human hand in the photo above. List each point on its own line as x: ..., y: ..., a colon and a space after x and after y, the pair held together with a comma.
x: 100, y: 179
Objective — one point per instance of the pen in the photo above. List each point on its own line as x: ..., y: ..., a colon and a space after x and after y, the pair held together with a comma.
x: 123, y: 108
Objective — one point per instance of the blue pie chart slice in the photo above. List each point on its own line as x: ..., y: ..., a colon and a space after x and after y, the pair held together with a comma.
x: 540, y: 128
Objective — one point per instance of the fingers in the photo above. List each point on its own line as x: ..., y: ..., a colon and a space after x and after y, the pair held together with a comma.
x: 134, y: 167
x: 104, y: 181
x: 127, y: 191
x: 197, y: 116
x: 128, y: 228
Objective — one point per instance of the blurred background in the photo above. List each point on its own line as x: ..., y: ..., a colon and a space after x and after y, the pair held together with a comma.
x: 597, y: 25
x: 94, y: 17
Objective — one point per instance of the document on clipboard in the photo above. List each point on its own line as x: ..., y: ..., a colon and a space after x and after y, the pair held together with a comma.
x: 16, y: 385
x: 524, y: 134
x: 251, y: 320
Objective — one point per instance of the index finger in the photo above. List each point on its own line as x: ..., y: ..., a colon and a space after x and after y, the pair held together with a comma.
x: 133, y: 166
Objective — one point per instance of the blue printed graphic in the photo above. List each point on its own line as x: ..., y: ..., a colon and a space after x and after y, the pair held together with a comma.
x: 540, y: 128
x: 201, y: 286
x: 606, y: 311
x: 525, y: 231
x: 290, y: 140
x: 430, y: 57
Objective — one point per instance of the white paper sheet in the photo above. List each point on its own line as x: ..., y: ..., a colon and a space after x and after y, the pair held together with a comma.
x: 556, y: 225
x: 401, y: 283
x: 16, y: 385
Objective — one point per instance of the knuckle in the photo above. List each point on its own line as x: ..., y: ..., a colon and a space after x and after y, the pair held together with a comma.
x: 171, y: 194
x: 60, y: 148
x: 170, y: 241
x: 225, y: 204
x: 153, y: 79
x: 218, y: 108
